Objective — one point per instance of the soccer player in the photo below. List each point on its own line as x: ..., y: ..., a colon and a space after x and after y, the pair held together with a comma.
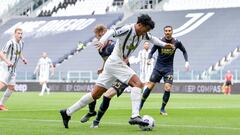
x: 129, y: 37
x: 228, y: 83
x: 9, y: 56
x: 146, y: 66
x: 164, y: 67
x: 117, y: 87
x: 44, y: 67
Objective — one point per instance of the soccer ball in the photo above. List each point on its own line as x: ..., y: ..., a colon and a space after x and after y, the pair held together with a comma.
x: 151, y: 122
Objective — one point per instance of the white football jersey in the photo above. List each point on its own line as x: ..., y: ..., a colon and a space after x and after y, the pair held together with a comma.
x: 44, y: 65
x: 128, y: 41
x: 146, y: 66
x: 13, y: 52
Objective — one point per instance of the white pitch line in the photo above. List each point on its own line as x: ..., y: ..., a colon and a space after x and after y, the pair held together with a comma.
x: 217, y: 107
x: 115, y: 123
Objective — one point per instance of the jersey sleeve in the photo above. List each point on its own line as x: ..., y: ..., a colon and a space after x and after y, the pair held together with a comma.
x: 182, y: 48
x: 115, y: 32
x: 7, y: 46
x: 150, y: 55
x: 154, y: 40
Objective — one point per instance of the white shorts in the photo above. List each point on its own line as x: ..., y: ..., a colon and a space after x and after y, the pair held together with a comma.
x: 6, y: 77
x: 114, y: 69
x: 43, y: 77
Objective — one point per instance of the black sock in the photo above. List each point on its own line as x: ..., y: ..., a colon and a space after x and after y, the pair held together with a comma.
x: 165, y: 98
x: 145, y: 95
x: 103, y: 107
x: 92, y: 106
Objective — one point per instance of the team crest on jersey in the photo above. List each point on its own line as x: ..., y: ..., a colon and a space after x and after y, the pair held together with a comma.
x: 18, y: 52
x: 131, y: 47
x: 167, y: 51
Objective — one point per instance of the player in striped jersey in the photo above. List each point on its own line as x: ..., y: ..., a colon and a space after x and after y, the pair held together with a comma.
x: 117, y: 87
x: 146, y: 65
x: 44, y: 67
x: 129, y: 37
x: 9, y: 56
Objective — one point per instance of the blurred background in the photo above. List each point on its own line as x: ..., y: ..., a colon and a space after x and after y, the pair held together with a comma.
x: 209, y: 30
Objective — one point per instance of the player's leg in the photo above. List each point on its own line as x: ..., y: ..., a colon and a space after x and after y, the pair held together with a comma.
x: 155, y: 77
x: 230, y: 89
x: 47, y: 88
x: 85, y: 100
x: 146, y: 92
x: 91, y: 112
x: 137, y: 86
x: 4, y: 96
x: 104, y: 106
x: 165, y: 98
x: 104, y: 81
x: 46, y: 81
x: 121, y: 71
x: 117, y: 88
x: 227, y: 87
x: 9, y: 90
x: 168, y: 80
x: 44, y: 86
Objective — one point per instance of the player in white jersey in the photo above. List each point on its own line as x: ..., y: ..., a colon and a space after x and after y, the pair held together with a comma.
x: 44, y: 67
x: 9, y: 56
x: 146, y: 65
x: 129, y: 37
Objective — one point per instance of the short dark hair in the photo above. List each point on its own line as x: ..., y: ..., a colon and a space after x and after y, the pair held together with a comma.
x: 146, y: 20
x: 167, y: 26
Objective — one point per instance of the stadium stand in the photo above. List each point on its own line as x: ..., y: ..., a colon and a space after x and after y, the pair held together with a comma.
x: 208, y: 42
x: 75, y: 7
x: 7, y: 4
x: 59, y: 36
x: 173, y: 5
x: 205, y: 33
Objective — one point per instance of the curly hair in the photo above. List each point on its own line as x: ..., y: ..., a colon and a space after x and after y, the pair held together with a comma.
x: 146, y: 20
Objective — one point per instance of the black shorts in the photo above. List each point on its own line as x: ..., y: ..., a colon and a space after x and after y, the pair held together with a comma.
x: 119, y: 87
x: 157, y: 75
x: 228, y: 83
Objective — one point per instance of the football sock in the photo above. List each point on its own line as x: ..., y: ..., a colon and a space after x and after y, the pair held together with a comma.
x: 44, y: 86
x: 145, y: 95
x: 104, y: 106
x: 136, y: 98
x: 85, y: 100
x: 91, y: 106
x: 5, y: 96
x: 165, y: 98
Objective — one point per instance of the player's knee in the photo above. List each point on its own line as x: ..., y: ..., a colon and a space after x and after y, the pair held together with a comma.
x: 97, y: 92
x: 110, y: 93
x: 139, y: 84
x: 150, y: 85
x: 96, y: 96
x: 167, y: 87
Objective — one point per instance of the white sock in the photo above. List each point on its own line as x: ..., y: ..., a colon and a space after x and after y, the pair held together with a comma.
x: 5, y: 96
x: 44, y: 86
x: 136, y: 98
x: 85, y: 100
x: 48, y: 89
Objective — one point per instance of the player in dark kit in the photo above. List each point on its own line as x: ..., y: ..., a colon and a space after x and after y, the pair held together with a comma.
x: 117, y: 87
x: 164, y: 67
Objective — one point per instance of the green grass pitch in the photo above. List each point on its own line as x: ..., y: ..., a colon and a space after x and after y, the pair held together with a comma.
x: 189, y: 114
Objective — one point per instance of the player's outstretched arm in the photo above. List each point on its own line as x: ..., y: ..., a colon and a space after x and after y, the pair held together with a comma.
x: 101, y: 44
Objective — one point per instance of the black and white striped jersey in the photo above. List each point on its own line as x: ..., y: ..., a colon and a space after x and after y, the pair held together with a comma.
x: 128, y: 40
x: 13, y: 51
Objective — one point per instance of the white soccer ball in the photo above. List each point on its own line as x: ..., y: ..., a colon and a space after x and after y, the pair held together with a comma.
x: 150, y: 121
